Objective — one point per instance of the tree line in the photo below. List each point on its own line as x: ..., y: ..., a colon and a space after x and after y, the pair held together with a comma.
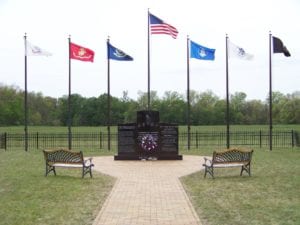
x: 206, y: 108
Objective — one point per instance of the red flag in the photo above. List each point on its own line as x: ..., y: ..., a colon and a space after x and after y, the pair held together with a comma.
x: 81, y: 53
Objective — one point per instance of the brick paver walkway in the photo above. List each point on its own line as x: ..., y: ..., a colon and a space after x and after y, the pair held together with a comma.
x: 147, y: 192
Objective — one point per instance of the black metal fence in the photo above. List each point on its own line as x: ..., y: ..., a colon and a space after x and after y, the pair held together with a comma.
x: 99, y: 141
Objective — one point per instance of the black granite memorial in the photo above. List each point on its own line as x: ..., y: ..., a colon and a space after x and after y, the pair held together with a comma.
x: 148, y: 139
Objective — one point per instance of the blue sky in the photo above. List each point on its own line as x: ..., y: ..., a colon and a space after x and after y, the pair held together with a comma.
x: 247, y: 23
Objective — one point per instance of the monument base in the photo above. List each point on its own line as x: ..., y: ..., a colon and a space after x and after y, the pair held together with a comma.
x: 141, y: 157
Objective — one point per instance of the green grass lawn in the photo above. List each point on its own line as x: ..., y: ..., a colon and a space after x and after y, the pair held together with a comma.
x: 270, y: 196
x: 28, y: 197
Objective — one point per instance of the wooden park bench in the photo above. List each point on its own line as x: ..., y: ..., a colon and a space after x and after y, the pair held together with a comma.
x: 229, y: 158
x: 68, y: 159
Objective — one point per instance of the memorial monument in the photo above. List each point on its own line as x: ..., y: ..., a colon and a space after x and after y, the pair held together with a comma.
x: 148, y: 139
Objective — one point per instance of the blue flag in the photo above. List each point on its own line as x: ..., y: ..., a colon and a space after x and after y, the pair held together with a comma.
x: 117, y: 54
x: 200, y: 52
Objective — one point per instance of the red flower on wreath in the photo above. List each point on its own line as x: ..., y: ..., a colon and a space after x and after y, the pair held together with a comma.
x: 149, y: 142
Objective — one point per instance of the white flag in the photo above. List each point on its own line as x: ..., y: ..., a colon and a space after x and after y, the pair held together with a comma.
x: 33, y: 50
x: 236, y: 51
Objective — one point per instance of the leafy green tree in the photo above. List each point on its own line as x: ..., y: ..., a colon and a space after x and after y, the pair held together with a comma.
x: 255, y: 112
x: 219, y: 113
x: 76, y: 107
x: 206, y: 108
x: 172, y: 108
x: 100, y: 112
x: 42, y: 110
x: 118, y: 109
x: 11, y: 106
x: 237, y: 107
x: 91, y: 112
x: 143, y: 100
x: 63, y: 114
x: 290, y: 111
x: 203, y: 109
x: 131, y: 108
x: 278, y: 102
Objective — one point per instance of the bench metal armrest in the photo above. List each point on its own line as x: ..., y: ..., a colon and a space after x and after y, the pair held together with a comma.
x: 207, y: 162
x: 88, y: 162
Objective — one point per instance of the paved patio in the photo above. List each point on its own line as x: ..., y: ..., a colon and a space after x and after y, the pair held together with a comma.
x: 147, y: 192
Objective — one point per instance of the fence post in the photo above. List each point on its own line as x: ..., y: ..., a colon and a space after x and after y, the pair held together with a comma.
x: 296, y: 138
x: 292, y: 138
x: 260, y: 144
x: 196, y: 139
x: 37, y: 140
x: 5, y: 141
x: 100, y: 140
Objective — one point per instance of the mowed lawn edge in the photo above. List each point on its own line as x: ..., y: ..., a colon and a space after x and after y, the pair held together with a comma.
x: 28, y: 197
x: 270, y: 196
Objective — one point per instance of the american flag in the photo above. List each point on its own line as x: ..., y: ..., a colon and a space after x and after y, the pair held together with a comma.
x: 158, y: 26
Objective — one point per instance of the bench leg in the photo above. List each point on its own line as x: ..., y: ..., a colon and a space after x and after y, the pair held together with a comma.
x: 83, y: 171
x: 86, y: 170
x: 91, y: 175
x: 205, y: 172
x: 49, y: 169
x: 210, y: 170
x: 247, y: 169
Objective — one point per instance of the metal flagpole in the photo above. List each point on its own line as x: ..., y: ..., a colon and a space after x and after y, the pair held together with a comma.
x: 227, y: 98
x: 69, y: 99
x: 270, y: 93
x: 108, y: 94
x: 148, y: 19
x: 188, y: 94
x: 25, y: 98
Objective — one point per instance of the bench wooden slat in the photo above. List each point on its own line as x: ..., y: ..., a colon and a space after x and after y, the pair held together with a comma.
x: 228, y: 165
x: 67, y: 165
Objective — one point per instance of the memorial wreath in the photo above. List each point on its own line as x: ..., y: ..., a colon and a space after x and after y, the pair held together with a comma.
x: 149, y: 142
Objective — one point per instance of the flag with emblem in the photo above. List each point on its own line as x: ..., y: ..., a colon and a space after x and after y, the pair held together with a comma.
x: 158, y: 26
x: 117, y: 54
x: 33, y: 50
x: 200, y: 52
x: 81, y: 53
x: 238, y: 52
